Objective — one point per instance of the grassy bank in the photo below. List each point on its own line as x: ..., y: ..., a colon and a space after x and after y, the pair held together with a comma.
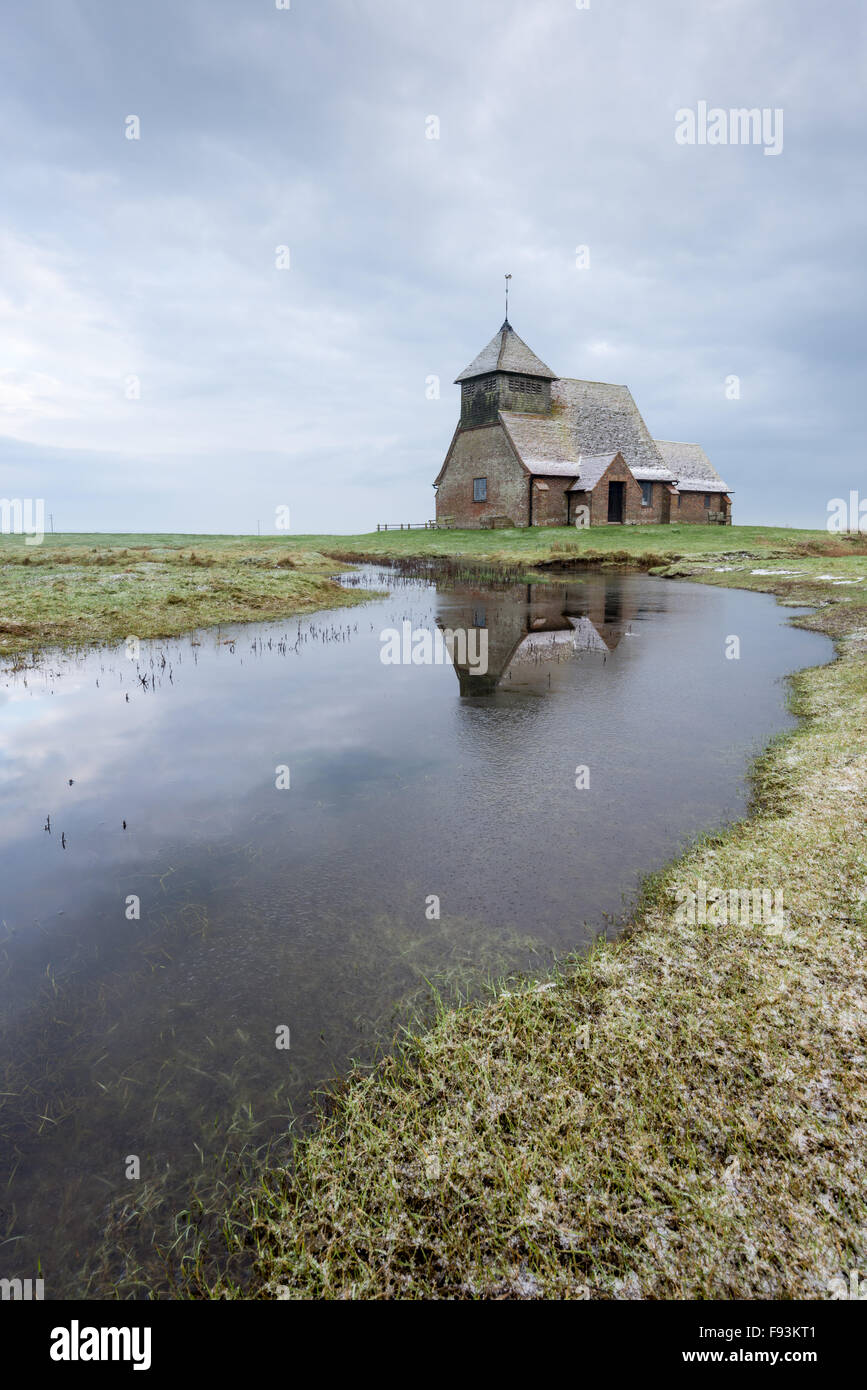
x: 80, y: 590
x: 682, y: 1114
x: 644, y: 546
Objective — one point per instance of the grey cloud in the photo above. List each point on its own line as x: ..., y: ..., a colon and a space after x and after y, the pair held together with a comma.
x: 306, y: 127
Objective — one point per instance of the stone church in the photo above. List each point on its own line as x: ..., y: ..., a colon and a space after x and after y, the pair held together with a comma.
x: 535, y: 449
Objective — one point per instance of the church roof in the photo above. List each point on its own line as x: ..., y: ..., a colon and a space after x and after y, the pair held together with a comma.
x: 691, y: 466
x: 506, y: 352
x: 603, y: 419
x: 590, y: 469
x: 588, y: 424
x: 543, y: 442
x: 590, y: 420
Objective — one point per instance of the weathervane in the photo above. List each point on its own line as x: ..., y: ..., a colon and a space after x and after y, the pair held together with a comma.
x: 508, y: 278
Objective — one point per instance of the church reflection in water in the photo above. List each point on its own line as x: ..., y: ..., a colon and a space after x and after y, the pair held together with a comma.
x: 533, y: 629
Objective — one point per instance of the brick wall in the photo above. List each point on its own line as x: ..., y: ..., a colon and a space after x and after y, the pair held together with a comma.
x: 633, y: 510
x: 483, y: 453
x: 692, y: 507
x: 550, y: 498
x: 660, y: 504
x: 549, y: 501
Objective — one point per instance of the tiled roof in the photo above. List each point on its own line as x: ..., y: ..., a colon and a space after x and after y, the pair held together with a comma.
x: 691, y: 466
x: 590, y: 470
x: 652, y: 475
x: 589, y: 420
x: 506, y: 352
x: 589, y: 423
x: 542, y: 442
x: 702, y: 485
x: 604, y: 419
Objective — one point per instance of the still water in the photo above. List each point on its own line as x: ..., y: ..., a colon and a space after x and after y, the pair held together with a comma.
x: 168, y: 911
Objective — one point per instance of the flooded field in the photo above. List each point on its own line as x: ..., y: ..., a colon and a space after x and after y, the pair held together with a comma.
x: 231, y: 863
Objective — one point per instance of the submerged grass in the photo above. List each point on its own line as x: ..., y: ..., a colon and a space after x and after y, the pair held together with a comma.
x: 680, y: 1114
x: 208, y: 1117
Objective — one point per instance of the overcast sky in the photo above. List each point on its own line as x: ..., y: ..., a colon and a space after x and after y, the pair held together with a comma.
x: 307, y: 128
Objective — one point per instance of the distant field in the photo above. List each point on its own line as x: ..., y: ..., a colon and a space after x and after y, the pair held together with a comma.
x: 553, y: 542
x: 542, y: 543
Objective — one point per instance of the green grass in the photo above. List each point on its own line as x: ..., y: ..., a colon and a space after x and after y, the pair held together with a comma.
x: 83, y: 590
x: 537, y: 543
x: 560, y: 544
